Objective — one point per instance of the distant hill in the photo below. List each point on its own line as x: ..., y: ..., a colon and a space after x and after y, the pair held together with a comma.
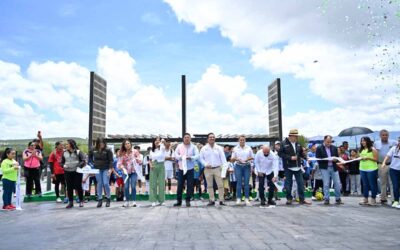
x: 21, y: 144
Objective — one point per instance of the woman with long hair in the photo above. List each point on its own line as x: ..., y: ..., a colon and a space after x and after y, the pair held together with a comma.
x: 10, y: 168
x: 368, y: 170
x: 394, y: 157
x: 128, y: 161
x: 72, y: 159
x: 32, y: 158
x: 157, y: 172
x: 102, y: 158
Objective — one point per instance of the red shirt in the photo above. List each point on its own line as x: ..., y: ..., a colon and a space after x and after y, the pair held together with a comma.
x: 56, y: 159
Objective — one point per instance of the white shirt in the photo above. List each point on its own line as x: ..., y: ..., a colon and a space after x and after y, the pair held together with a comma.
x: 268, y: 164
x: 169, y: 165
x: 188, y: 151
x: 158, y: 154
x: 213, y: 156
x: 294, y: 146
x: 394, y: 155
x: 383, y: 148
x: 242, y: 153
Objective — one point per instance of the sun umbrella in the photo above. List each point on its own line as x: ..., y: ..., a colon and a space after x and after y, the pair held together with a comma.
x: 354, y: 131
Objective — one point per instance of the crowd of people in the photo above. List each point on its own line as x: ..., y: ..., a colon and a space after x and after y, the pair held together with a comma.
x: 231, y: 172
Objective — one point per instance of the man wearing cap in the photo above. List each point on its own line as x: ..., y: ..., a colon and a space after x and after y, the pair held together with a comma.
x: 291, y: 153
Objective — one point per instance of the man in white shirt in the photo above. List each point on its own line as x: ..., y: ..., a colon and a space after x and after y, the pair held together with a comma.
x: 242, y: 156
x: 266, y: 165
x: 212, y: 157
x: 382, y: 146
x: 186, y: 153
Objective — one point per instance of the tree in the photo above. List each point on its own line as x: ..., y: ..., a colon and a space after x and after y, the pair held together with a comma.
x: 303, y: 141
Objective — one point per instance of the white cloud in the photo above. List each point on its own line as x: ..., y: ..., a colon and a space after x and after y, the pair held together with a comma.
x: 220, y: 103
x: 347, y: 50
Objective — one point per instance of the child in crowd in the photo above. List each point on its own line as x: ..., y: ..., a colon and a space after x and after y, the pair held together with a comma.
x: 86, y: 183
x: 119, y: 181
x: 198, y: 176
x: 146, y: 169
x: 317, y: 176
x: 9, y: 167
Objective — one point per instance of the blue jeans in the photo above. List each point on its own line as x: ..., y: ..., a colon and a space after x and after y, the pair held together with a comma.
x: 327, y: 174
x: 8, y: 189
x: 369, y: 182
x: 395, y: 177
x: 242, y: 171
x: 131, y: 182
x: 103, y: 180
x: 298, y: 175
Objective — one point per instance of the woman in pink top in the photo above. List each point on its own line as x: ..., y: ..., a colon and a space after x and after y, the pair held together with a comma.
x: 128, y: 161
x: 32, y: 158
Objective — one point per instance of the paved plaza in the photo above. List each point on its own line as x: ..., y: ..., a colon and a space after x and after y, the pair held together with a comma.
x: 46, y: 225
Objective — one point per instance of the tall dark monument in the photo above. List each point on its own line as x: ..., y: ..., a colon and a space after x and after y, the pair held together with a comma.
x: 97, y: 107
x: 275, y: 109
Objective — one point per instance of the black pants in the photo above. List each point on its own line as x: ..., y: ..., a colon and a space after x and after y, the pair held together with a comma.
x: 168, y: 184
x: 74, y: 181
x: 317, y: 184
x: 189, y: 178
x: 271, y: 187
x: 59, y: 180
x: 197, y: 184
x: 32, y: 175
x: 343, y: 177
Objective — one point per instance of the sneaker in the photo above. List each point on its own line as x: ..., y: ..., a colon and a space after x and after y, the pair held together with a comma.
x: 398, y: 206
x: 363, y: 201
x: 251, y: 198
x: 153, y: 204
x: 161, y: 204
x: 178, y: 204
x: 12, y: 206
x: 372, y: 202
x: 70, y: 205
x: 305, y: 202
x: 238, y: 202
x: 211, y: 203
x: 108, y: 202
x: 58, y: 200
x: 100, y: 203
x: 134, y: 204
x: 247, y: 202
x: 242, y: 198
x: 326, y: 202
x: 313, y: 198
x: 262, y: 203
x: 221, y: 203
x: 188, y: 204
x: 271, y: 203
x: 289, y: 202
x: 339, y: 202
x: 65, y: 200
x: 395, y: 204
x: 80, y: 204
x: 126, y: 204
x: 9, y: 208
x: 383, y: 201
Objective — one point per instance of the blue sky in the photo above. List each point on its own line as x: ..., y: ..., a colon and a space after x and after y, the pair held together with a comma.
x: 162, y: 47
